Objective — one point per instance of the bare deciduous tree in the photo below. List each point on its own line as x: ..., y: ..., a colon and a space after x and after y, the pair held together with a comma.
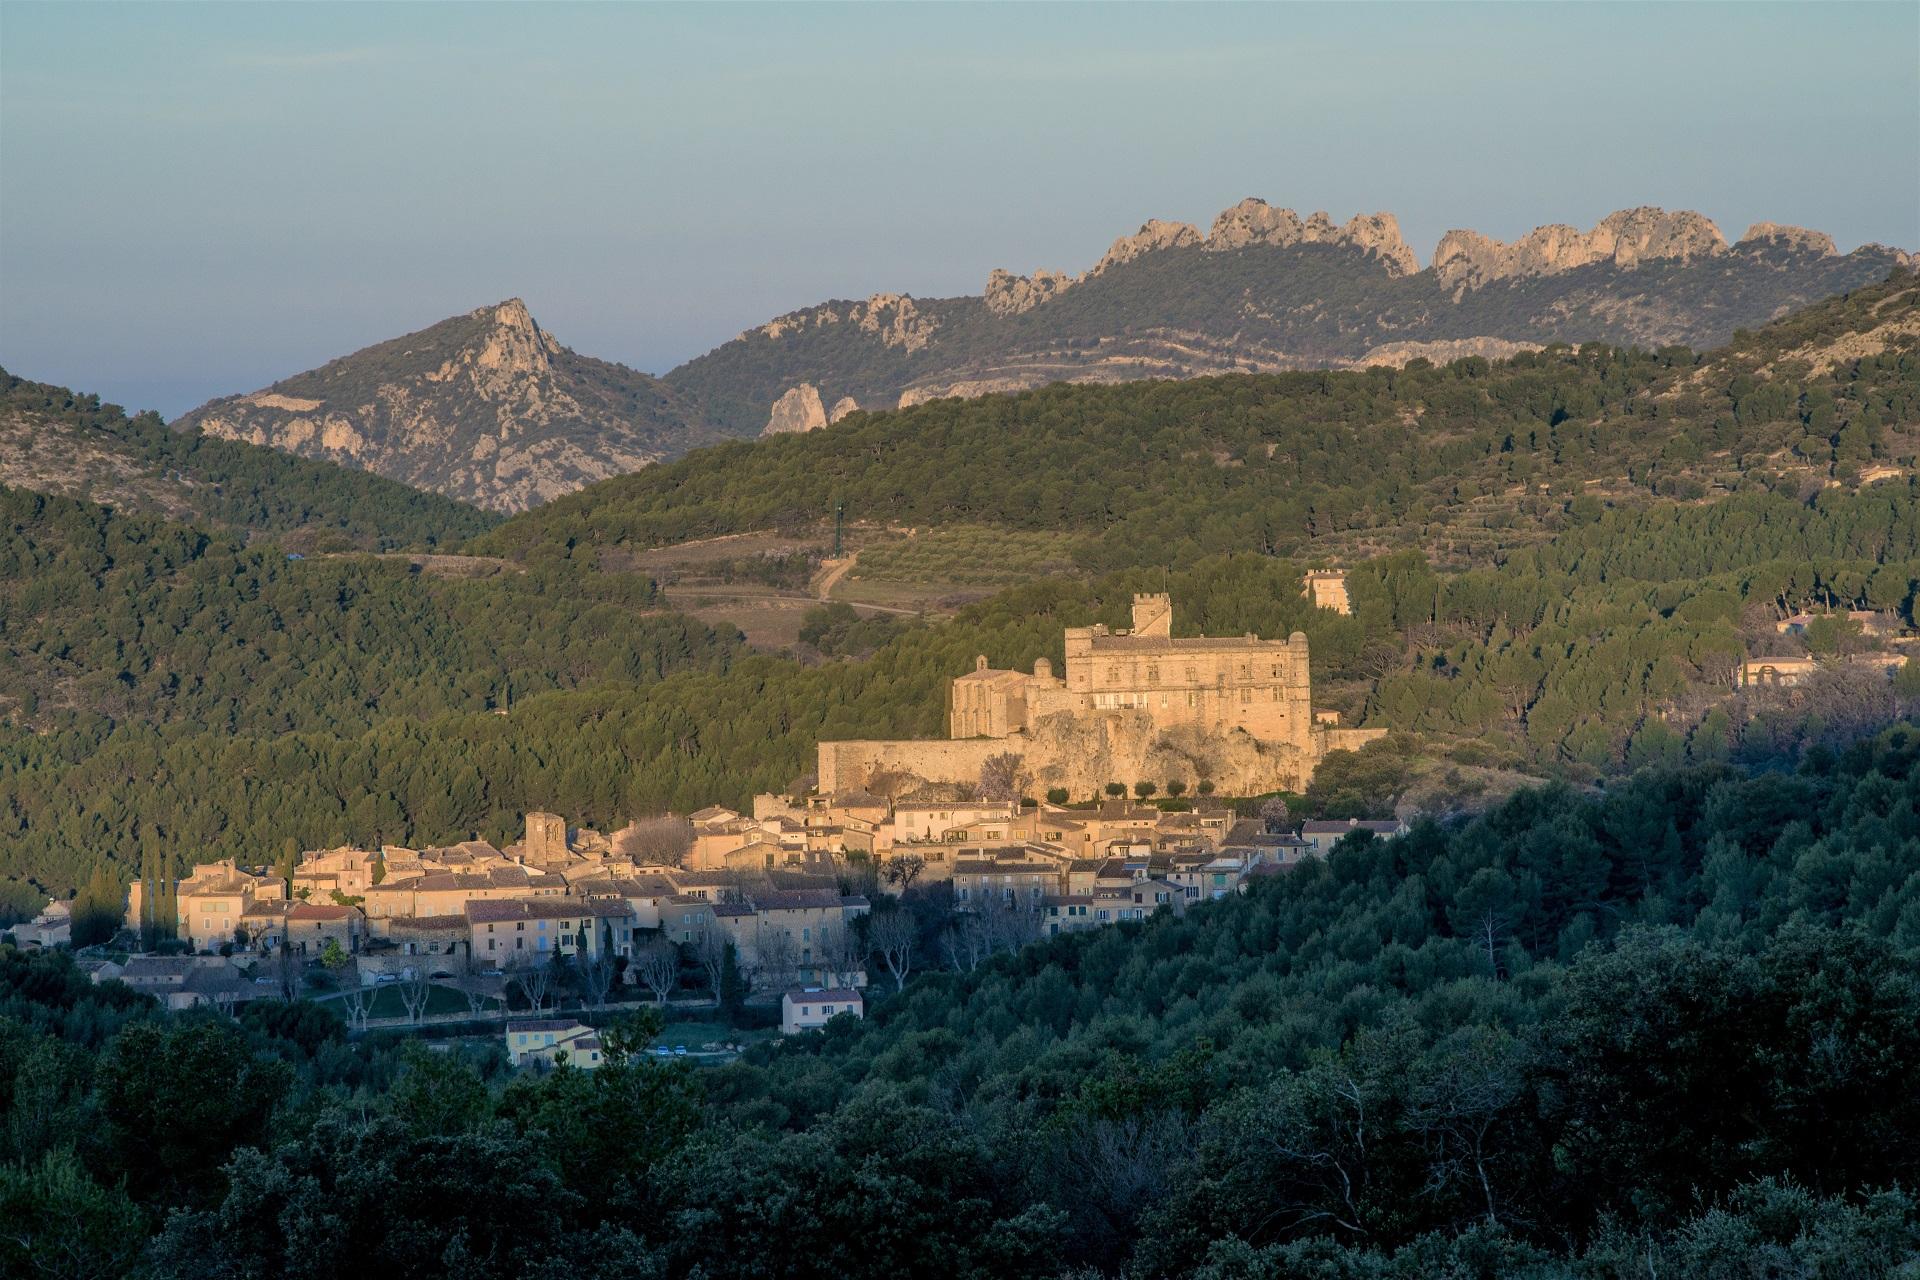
x: 415, y: 990
x: 594, y: 971
x: 710, y: 953
x: 892, y: 936
x: 776, y: 960
x: 356, y: 997
x: 1010, y: 925
x: 533, y: 976
x: 1465, y: 1089
x: 658, y: 964
x: 964, y: 943
x: 840, y: 956
x: 1003, y: 777
x: 662, y: 841
x: 479, y: 989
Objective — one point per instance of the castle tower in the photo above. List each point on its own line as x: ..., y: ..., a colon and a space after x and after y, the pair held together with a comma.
x: 546, y: 837
x: 1153, y: 615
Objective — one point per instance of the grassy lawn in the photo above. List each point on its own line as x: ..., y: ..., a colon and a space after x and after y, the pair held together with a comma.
x: 387, y: 1003
x: 703, y: 1035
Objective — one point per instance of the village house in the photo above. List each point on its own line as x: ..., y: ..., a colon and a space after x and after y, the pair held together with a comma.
x: 811, y: 1008
x: 553, y: 1042
x: 310, y: 926
x: 1321, y: 836
x: 211, y: 902
x: 181, y: 982
x: 53, y: 927
x: 1013, y: 881
x: 511, y: 932
x: 794, y: 934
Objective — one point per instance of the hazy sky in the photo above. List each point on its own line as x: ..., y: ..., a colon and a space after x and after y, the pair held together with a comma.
x: 196, y: 199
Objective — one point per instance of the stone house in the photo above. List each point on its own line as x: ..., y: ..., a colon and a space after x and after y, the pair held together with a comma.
x: 501, y: 933
x: 211, y: 902
x: 311, y: 925
x: 1321, y: 836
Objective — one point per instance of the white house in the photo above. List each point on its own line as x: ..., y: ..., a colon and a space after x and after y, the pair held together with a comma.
x: 809, y: 1009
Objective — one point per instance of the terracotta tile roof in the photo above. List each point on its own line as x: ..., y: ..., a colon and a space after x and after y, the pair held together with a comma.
x: 839, y: 995
x: 318, y: 911
x: 483, y: 911
x: 795, y: 899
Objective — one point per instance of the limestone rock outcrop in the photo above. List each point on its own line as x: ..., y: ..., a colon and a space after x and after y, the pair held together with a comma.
x: 1626, y: 239
x: 1255, y: 222
x: 1152, y: 237
x: 1008, y: 294
x: 894, y: 318
x: 968, y: 388
x: 486, y: 407
x: 1443, y: 351
x: 797, y: 410
x: 1782, y: 236
x: 841, y: 408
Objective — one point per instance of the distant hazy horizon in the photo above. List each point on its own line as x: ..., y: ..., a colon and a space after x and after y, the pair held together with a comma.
x: 196, y: 200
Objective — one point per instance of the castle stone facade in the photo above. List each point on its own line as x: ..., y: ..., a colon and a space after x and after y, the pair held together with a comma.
x: 1135, y: 704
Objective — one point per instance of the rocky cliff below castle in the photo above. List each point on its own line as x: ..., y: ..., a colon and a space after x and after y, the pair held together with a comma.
x: 485, y: 407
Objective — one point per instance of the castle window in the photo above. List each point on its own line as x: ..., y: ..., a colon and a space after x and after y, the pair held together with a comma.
x: 1276, y: 673
x: 1153, y: 673
x: 1246, y: 696
x: 1113, y: 675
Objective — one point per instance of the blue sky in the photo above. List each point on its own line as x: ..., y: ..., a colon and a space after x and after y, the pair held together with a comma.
x: 196, y: 199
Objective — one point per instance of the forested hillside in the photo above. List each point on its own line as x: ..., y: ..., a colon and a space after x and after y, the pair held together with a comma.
x: 179, y: 690
x: 1669, y: 1030
x: 1464, y: 461
x: 57, y: 441
x: 1610, y: 649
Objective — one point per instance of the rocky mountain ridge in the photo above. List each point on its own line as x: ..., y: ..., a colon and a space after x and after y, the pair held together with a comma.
x: 486, y: 407
x: 1266, y: 290
x: 490, y: 409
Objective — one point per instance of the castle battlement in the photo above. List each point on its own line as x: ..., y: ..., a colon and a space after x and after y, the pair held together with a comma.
x: 1141, y: 687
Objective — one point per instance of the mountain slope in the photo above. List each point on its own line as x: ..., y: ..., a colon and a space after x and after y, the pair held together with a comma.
x: 56, y: 441
x: 1267, y: 291
x: 484, y: 407
x: 1465, y: 461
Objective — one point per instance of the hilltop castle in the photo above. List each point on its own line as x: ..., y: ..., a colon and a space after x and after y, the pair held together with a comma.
x: 1135, y: 704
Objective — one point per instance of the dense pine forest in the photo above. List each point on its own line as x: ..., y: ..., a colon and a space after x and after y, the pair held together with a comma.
x: 1669, y: 1030
x: 242, y: 486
